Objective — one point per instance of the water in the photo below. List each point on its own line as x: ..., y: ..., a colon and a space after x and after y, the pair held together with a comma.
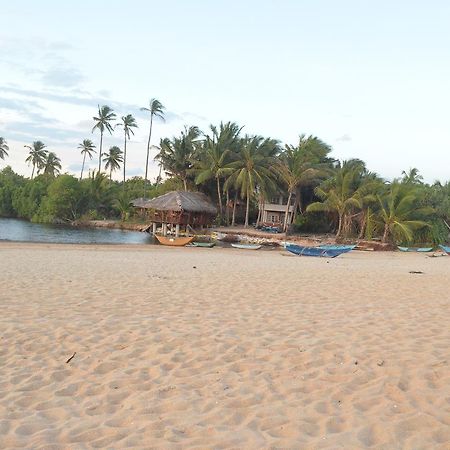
x: 23, y: 231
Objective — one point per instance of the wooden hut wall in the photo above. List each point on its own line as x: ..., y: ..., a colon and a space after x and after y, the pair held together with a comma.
x: 181, y: 218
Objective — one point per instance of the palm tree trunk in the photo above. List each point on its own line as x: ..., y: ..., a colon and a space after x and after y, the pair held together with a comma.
x: 148, y: 152
x: 82, y: 167
x: 220, y: 198
x: 124, y: 159
x: 247, y: 209
x: 385, y: 234
x: 286, y: 213
x: 185, y: 184
x: 233, y: 219
x: 227, y: 209
x: 339, y: 225
x: 32, y: 172
x: 100, y: 152
x: 363, y: 225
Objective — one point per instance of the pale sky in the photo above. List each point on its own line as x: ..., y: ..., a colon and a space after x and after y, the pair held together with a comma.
x: 371, y: 78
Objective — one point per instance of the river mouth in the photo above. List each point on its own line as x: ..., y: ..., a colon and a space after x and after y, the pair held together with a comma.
x: 17, y: 230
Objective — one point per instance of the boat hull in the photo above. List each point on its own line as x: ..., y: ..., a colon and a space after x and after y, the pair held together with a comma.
x: 314, y: 251
x: 202, y: 244
x: 415, y: 249
x: 343, y: 248
x: 246, y: 246
x: 445, y: 248
x: 174, y: 241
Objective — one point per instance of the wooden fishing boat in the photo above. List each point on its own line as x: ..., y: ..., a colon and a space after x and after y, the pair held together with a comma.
x: 344, y: 248
x: 415, y: 249
x: 202, y: 244
x: 247, y: 246
x: 174, y: 241
x: 314, y: 251
x: 445, y: 248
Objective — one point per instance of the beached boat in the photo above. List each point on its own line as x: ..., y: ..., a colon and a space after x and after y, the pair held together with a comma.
x: 202, y: 244
x: 415, y: 249
x: 247, y: 246
x: 174, y: 241
x: 344, y: 248
x: 314, y: 251
x: 445, y: 248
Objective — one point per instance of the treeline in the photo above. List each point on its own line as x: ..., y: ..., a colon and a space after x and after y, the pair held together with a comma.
x: 240, y: 172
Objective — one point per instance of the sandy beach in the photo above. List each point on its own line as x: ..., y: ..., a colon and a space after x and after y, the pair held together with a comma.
x: 183, y: 348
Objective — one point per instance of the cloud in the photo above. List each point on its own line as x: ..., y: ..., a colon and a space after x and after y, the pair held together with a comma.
x: 344, y: 138
x: 62, y: 77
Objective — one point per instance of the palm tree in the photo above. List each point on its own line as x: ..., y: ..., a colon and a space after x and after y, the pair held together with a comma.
x: 102, y: 123
x: 176, y: 154
x: 412, y: 177
x: 399, y: 212
x: 215, y: 155
x: 340, y: 194
x: 128, y: 123
x: 112, y: 160
x: 36, y: 156
x: 253, y: 169
x: 3, y: 148
x: 87, y: 148
x: 51, y: 164
x: 156, y: 109
x: 302, y: 165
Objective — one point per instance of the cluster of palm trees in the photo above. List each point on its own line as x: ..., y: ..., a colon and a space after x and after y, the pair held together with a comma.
x: 114, y: 157
x: 43, y: 160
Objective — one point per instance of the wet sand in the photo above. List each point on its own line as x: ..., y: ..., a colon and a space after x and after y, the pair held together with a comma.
x: 222, y: 348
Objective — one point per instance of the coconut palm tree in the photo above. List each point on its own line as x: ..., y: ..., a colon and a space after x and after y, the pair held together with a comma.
x: 253, y: 169
x: 87, y: 149
x: 176, y: 154
x: 51, y: 165
x: 3, y: 148
x: 112, y: 160
x: 36, y: 156
x: 156, y: 110
x: 399, y: 212
x: 103, y: 122
x: 412, y: 176
x: 215, y: 155
x: 302, y: 165
x: 128, y: 123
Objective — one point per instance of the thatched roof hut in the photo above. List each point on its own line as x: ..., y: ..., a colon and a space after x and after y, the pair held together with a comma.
x: 179, y: 207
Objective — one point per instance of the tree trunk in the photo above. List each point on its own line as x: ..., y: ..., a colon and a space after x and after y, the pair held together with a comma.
x: 363, y: 225
x: 100, y: 152
x: 339, y: 225
x: 286, y: 213
x: 32, y: 172
x: 185, y: 184
x: 148, y: 152
x: 247, y: 209
x: 233, y: 219
x: 260, y: 202
x: 124, y: 159
x: 82, y: 167
x: 385, y: 234
x: 227, y: 209
x: 220, y: 199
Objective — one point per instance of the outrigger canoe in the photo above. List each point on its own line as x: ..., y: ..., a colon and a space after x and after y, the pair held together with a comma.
x: 174, y: 241
x: 445, y: 248
x: 314, y: 251
x: 247, y: 246
x: 415, y: 249
x: 344, y: 248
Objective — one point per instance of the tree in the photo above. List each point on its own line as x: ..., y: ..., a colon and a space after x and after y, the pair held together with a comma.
x: 399, y: 212
x: 128, y: 123
x: 301, y: 165
x: 3, y: 148
x: 36, y: 156
x: 156, y: 109
x: 87, y: 149
x: 176, y: 154
x: 412, y: 176
x: 253, y: 168
x: 103, y: 122
x: 113, y: 159
x: 215, y: 155
x: 51, y: 165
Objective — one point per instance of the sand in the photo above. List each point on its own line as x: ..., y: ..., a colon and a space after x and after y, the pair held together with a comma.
x: 221, y: 348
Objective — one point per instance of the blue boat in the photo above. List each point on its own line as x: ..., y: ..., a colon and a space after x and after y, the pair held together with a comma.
x: 445, y: 248
x: 415, y: 249
x: 314, y: 251
x: 344, y: 248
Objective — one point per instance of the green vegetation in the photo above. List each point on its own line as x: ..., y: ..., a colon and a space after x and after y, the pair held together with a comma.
x: 240, y: 173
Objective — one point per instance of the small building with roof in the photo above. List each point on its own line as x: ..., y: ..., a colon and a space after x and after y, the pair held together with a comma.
x: 178, y: 208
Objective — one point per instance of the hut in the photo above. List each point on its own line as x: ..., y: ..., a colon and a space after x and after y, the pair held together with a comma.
x: 178, y: 208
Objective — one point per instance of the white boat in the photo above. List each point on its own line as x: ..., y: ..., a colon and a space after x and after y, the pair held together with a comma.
x: 247, y: 246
